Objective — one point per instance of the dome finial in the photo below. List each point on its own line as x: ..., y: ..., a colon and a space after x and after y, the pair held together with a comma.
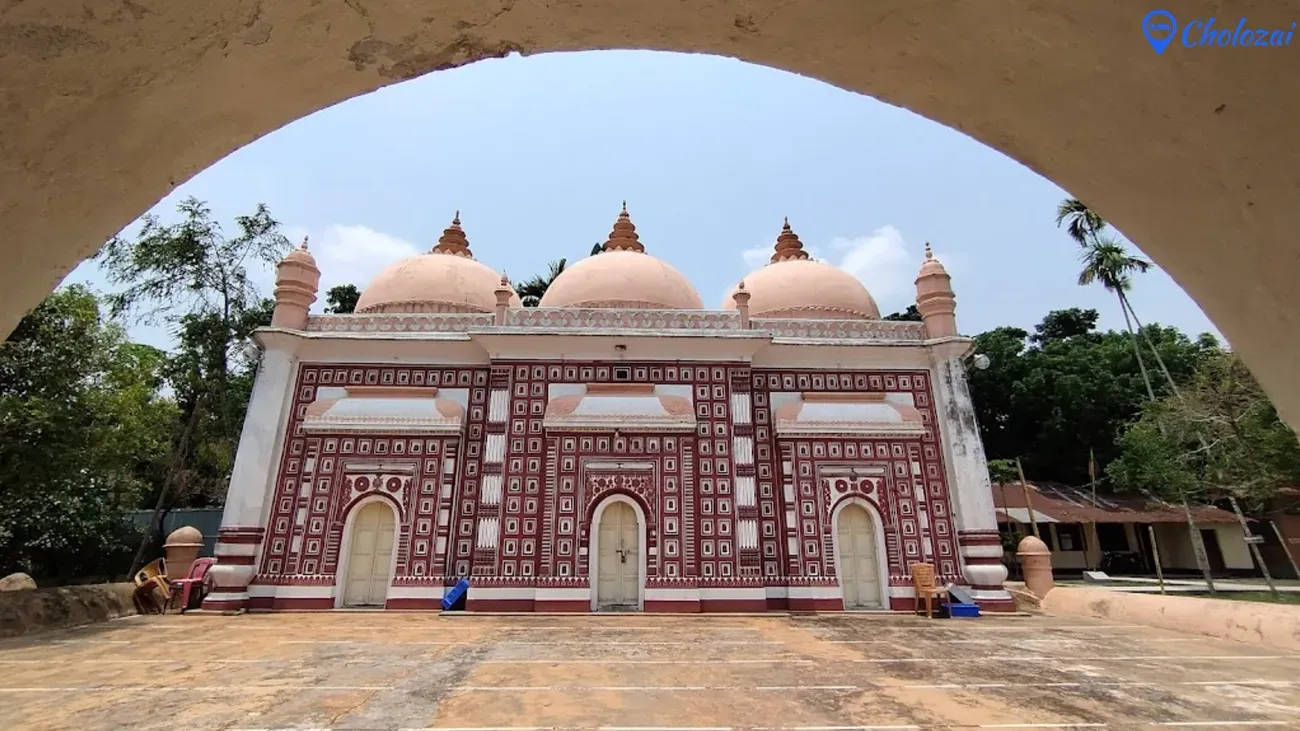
x: 788, y: 245
x: 624, y: 236
x: 453, y: 240
x: 929, y: 253
x: 303, y: 245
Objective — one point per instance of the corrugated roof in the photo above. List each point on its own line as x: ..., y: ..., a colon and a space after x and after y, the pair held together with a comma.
x: 1073, y: 505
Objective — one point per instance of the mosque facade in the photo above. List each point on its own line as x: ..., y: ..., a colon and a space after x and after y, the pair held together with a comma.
x: 618, y: 448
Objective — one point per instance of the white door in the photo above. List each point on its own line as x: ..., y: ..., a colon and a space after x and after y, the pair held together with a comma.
x: 859, y: 572
x: 618, y: 569
x: 369, y: 557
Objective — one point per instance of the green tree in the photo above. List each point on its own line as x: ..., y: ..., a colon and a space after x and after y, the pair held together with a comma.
x: 194, y: 276
x: 342, y: 299
x: 1081, y: 222
x: 83, y: 432
x: 532, y: 291
x: 1051, y: 395
x: 1108, y: 262
x: 1220, y: 438
x: 911, y: 314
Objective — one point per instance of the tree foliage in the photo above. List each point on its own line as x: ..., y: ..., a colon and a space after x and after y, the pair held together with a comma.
x: 84, y: 433
x: 1049, y: 396
x: 200, y: 280
x: 531, y: 292
x: 342, y: 299
x: 1219, y: 436
x: 911, y: 314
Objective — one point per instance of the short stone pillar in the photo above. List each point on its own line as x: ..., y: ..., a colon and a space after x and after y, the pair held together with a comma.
x: 1036, y: 564
x: 17, y: 582
x: 742, y: 304
x: 181, y: 549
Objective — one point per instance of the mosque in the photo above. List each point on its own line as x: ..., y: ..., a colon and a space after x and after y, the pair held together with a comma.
x: 619, y: 447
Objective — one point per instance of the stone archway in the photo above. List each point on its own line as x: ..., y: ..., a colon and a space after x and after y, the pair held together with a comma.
x: 1190, y: 153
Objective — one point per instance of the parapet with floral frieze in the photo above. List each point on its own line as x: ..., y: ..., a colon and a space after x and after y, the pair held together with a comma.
x: 813, y: 329
x: 630, y: 319
x: 560, y: 319
x: 434, y: 322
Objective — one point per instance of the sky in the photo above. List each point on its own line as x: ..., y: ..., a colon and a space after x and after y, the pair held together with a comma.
x: 710, y: 154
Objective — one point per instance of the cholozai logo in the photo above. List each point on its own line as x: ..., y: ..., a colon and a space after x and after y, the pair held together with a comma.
x: 1161, y: 28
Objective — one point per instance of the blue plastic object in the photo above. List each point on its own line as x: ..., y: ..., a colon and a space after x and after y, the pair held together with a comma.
x: 456, y: 596
x: 956, y: 609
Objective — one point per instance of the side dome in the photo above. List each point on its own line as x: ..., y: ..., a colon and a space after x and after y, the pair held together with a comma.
x: 447, y: 279
x: 622, y: 276
x: 794, y: 286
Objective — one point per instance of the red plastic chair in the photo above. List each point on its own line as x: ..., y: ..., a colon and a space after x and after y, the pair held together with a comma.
x: 194, y: 586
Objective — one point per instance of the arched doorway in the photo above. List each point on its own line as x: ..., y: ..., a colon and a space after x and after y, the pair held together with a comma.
x: 857, y: 559
x: 370, y: 556
x: 618, y: 558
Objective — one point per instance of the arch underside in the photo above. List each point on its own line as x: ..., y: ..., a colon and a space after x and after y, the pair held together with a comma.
x: 1190, y: 153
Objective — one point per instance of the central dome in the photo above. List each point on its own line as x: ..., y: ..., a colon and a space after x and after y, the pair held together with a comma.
x: 794, y: 286
x: 448, y: 279
x: 622, y: 275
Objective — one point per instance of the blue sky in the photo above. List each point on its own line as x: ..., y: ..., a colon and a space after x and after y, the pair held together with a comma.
x: 710, y: 153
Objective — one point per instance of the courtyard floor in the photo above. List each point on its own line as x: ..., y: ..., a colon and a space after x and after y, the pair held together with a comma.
x: 642, y: 672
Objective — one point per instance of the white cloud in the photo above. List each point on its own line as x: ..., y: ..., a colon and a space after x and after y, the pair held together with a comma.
x: 351, y: 254
x: 882, y: 260
x: 879, y: 260
x: 757, y: 256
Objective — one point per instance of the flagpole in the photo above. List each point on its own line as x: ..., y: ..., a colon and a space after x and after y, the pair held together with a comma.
x: 1029, y: 505
x: 1092, y: 477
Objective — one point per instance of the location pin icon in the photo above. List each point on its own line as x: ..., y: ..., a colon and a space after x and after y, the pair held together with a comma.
x: 1160, y: 27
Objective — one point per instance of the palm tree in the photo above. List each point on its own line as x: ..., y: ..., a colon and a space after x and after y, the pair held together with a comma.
x: 531, y: 291
x: 1084, y: 224
x: 1107, y: 261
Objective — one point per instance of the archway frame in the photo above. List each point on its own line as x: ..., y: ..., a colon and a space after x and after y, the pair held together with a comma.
x: 878, y: 529
x: 593, y: 548
x: 345, y: 545
x: 1192, y: 158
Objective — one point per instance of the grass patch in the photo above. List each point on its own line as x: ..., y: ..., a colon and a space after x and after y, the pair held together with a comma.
x: 1283, y: 597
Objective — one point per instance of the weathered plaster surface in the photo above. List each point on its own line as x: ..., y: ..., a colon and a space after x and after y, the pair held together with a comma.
x: 391, y: 671
x: 109, y: 106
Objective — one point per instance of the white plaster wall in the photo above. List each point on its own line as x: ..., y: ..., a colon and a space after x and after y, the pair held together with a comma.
x: 1176, y: 546
x: 261, y: 440
x: 966, y: 467
x: 1232, y: 541
x: 968, y: 472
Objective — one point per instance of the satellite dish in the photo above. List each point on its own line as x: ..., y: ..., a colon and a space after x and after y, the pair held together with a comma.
x: 982, y: 362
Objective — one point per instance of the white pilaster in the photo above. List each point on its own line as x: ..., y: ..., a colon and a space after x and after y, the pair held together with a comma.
x: 253, y: 478
x: 967, y: 468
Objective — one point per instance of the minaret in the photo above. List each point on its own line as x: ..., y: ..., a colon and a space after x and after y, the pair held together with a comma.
x: 503, y: 293
x: 742, y: 304
x: 935, y: 299
x: 296, y: 282
x: 453, y: 240
x: 788, y: 245
x: 624, y: 236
